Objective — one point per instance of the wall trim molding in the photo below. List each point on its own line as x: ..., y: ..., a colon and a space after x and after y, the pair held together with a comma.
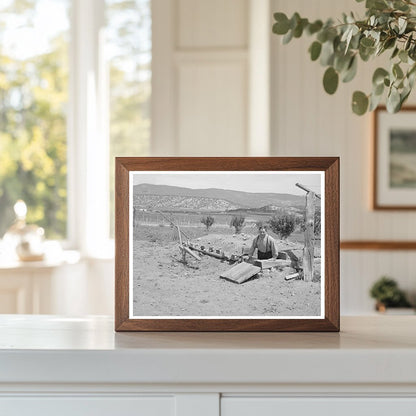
x: 377, y: 245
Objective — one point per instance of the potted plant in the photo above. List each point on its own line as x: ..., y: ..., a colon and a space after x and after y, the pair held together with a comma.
x: 387, y: 294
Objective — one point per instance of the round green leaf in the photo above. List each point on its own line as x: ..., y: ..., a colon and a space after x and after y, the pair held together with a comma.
x: 359, y: 103
x: 366, y: 53
x: 367, y: 42
x: 351, y: 71
x: 315, y: 50
x: 294, y: 20
x: 378, y: 90
x: 395, y: 52
x: 342, y: 61
x: 327, y: 54
x: 397, y: 71
x: 403, y: 56
x: 288, y: 37
x: 374, y: 101
x: 330, y: 80
x: 379, y: 75
x: 393, y: 101
x: 314, y: 27
x: 322, y: 36
x: 298, y: 30
x: 281, y: 27
x: 389, y: 43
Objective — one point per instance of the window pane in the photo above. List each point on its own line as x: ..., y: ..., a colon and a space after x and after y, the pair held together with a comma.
x: 34, y: 36
x: 129, y: 45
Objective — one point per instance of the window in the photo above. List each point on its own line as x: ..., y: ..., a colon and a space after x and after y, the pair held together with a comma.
x: 33, y: 97
x: 75, y: 87
x: 129, y: 46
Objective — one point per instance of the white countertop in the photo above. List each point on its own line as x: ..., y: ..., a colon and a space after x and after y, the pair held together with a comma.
x: 50, y: 349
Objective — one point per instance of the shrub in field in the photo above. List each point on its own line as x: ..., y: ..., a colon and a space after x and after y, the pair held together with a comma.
x: 283, y: 225
x: 238, y: 223
x: 208, y: 221
x: 317, y: 223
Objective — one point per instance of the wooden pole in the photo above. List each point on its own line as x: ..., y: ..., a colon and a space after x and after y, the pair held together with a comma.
x: 308, y: 250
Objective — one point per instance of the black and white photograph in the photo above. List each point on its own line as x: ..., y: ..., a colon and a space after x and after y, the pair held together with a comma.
x: 226, y: 244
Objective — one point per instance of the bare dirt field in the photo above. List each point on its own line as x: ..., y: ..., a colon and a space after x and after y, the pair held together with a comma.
x: 164, y: 286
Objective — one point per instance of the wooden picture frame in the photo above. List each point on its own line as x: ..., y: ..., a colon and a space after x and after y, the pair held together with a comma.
x: 394, y: 158
x: 136, y: 310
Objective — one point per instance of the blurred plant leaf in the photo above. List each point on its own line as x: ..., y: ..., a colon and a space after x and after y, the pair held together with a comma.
x: 330, y: 80
x: 388, y: 24
x: 359, y: 103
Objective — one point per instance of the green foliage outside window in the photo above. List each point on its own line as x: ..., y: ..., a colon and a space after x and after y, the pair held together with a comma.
x: 129, y: 39
x: 33, y: 99
x: 34, y: 102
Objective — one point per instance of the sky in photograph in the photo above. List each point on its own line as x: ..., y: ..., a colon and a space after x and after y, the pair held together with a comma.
x: 273, y: 182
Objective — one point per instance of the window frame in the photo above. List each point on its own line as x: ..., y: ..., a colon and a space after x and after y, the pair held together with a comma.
x: 87, y: 133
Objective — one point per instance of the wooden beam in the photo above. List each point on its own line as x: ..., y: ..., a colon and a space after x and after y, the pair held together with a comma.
x: 208, y: 253
x: 307, y: 190
x: 292, y: 276
x: 190, y: 252
x: 268, y: 264
x: 308, y: 251
x: 378, y: 245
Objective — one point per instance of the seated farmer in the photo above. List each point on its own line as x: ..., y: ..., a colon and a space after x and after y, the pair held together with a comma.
x: 265, y: 244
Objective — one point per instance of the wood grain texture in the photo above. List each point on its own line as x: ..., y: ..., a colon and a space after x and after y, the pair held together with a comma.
x: 121, y: 244
x: 376, y: 205
x: 332, y: 225
x: 330, y: 165
x: 241, y: 272
x: 378, y: 245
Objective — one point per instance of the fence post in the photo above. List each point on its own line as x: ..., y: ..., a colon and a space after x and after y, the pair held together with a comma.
x: 308, y: 250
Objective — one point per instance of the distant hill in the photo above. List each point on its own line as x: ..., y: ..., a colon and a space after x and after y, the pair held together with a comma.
x: 164, y: 196
x: 178, y: 202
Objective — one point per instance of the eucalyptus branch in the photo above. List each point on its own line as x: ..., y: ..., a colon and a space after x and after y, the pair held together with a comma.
x: 389, y: 25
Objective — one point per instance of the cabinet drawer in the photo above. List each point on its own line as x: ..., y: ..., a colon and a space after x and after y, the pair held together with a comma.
x: 273, y: 406
x: 87, y: 406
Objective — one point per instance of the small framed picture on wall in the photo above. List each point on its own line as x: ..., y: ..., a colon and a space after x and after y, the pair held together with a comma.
x: 227, y: 244
x: 394, y: 178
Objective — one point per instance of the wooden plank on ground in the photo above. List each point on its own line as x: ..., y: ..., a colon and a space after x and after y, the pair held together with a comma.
x: 294, y: 258
x: 208, y: 253
x: 240, y: 272
x: 190, y: 252
x: 292, y: 276
x: 268, y: 264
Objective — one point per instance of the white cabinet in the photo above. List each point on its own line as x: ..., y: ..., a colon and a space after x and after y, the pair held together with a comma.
x: 80, y: 366
x: 272, y: 406
x: 88, y: 406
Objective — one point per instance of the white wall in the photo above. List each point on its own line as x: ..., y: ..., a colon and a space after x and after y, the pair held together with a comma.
x: 308, y: 122
x: 211, y: 92
x: 202, y: 81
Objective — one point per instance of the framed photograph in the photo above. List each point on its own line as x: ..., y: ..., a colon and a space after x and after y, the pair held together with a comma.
x: 227, y: 244
x: 394, y: 179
